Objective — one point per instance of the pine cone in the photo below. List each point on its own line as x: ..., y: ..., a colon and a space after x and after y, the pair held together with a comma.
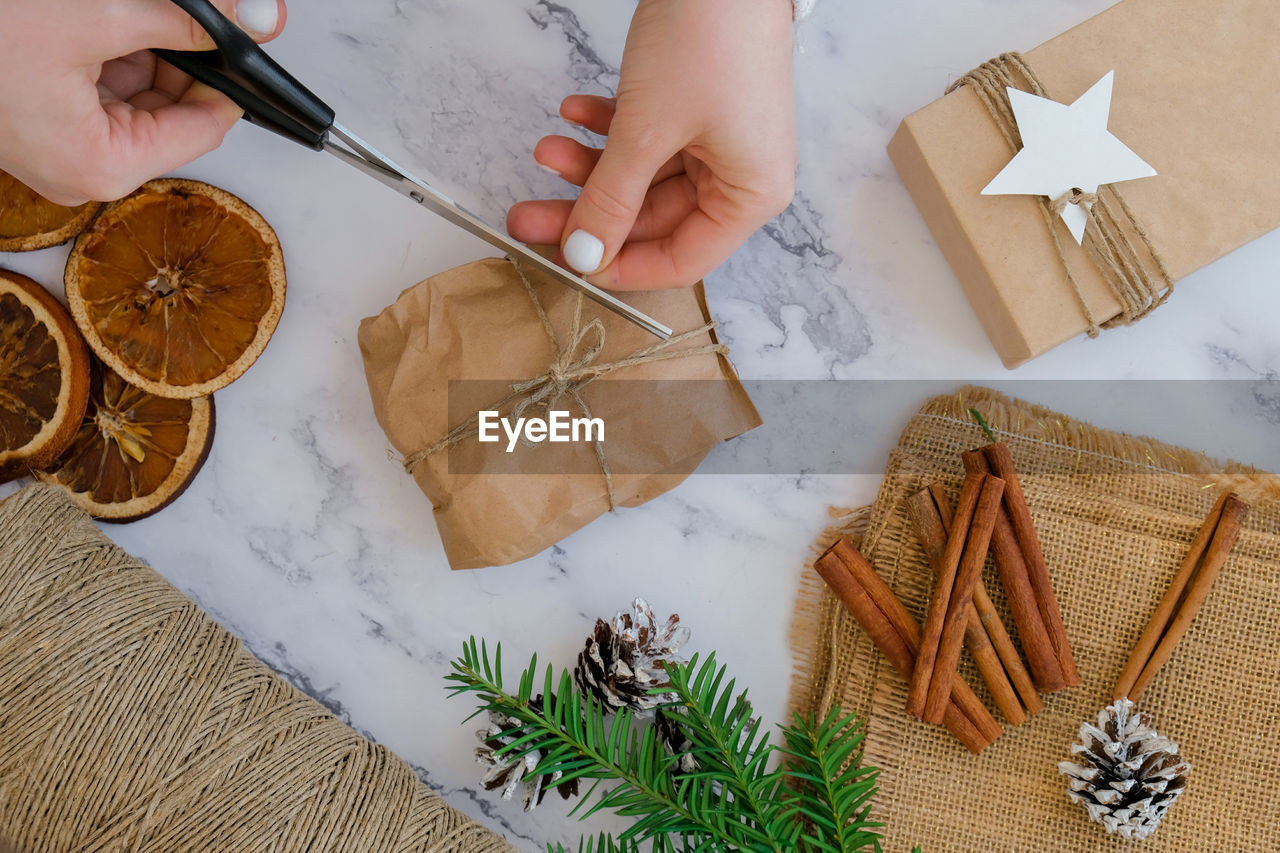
x: 1131, y: 775
x: 509, y: 773
x: 626, y: 658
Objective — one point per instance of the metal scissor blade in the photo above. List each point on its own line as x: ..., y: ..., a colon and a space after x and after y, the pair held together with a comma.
x: 371, y: 162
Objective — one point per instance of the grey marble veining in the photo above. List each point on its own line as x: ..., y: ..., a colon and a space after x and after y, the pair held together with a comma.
x: 304, y: 539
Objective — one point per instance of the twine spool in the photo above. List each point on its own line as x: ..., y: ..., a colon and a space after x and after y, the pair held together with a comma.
x: 131, y: 721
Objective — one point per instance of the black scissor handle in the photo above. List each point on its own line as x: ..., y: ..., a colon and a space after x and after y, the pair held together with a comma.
x: 241, y: 70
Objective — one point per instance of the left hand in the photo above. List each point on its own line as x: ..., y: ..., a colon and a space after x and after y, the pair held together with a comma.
x: 700, y: 153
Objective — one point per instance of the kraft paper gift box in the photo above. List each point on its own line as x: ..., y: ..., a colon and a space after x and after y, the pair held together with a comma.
x: 1195, y: 96
x: 473, y: 339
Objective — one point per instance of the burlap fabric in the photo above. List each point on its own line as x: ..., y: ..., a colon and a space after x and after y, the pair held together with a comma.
x: 129, y: 720
x: 1115, y: 516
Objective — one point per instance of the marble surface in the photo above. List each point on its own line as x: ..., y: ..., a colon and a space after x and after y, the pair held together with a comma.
x: 303, y: 539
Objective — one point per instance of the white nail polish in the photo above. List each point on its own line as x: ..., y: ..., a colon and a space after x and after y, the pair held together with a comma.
x: 583, y: 252
x: 258, y: 16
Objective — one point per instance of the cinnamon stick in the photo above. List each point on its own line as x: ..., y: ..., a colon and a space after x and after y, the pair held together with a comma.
x: 938, y: 492
x: 897, y: 635
x: 1186, y: 593
x: 895, y: 648
x: 985, y: 636
x: 987, y: 660
x: 918, y: 695
x: 1007, y: 651
x: 988, y: 619
x: 991, y: 622
x: 960, y: 605
x: 1015, y: 501
x: 909, y: 630
x: 1046, y: 672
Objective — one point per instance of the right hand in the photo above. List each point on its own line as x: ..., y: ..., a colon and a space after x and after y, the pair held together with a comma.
x: 88, y: 112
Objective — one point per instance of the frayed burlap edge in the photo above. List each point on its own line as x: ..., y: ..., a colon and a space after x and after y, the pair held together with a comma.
x: 1039, y: 423
x: 816, y: 617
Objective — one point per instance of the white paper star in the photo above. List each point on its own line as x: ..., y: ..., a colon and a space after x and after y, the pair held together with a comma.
x: 1065, y: 148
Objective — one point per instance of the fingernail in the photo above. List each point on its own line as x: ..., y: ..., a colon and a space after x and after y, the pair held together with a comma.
x: 544, y: 167
x: 258, y: 16
x: 583, y: 252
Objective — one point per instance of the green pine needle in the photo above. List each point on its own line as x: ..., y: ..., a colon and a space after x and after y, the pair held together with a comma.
x: 826, y: 760
x: 982, y: 422
x: 817, y: 798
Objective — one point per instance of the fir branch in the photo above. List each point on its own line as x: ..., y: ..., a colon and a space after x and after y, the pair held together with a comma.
x: 727, y: 742
x: 575, y: 738
x: 816, y: 802
x: 826, y: 763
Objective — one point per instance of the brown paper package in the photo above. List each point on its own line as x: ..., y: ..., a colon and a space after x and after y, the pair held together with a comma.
x: 477, y: 322
x: 1194, y: 96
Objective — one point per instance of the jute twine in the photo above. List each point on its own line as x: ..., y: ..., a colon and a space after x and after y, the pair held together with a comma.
x: 1114, y: 239
x: 131, y: 721
x: 1115, y: 515
x: 573, y: 367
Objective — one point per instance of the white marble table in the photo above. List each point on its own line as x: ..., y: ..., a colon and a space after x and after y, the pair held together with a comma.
x: 302, y: 538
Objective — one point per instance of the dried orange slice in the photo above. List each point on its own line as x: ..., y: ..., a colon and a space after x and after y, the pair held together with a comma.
x: 134, y: 452
x: 177, y: 287
x: 29, y: 221
x: 44, y: 376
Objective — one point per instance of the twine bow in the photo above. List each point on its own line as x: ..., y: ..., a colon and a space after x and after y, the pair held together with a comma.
x: 1133, y: 270
x: 1073, y: 196
x: 572, y: 368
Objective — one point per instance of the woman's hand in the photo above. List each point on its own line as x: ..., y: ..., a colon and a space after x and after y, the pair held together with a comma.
x: 700, y: 151
x: 88, y: 113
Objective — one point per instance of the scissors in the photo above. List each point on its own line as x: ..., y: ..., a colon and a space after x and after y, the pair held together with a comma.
x: 273, y: 99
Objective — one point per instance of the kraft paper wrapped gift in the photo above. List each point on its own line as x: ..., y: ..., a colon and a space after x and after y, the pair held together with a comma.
x: 1195, y: 96
x: 473, y: 338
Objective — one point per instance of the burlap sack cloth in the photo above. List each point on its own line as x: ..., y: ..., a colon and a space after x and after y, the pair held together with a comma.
x: 129, y: 720
x: 1115, y: 515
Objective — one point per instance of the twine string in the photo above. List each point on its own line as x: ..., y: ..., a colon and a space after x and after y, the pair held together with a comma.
x: 573, y: 367
x: 134, y: 722
x: 1114, y: 240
